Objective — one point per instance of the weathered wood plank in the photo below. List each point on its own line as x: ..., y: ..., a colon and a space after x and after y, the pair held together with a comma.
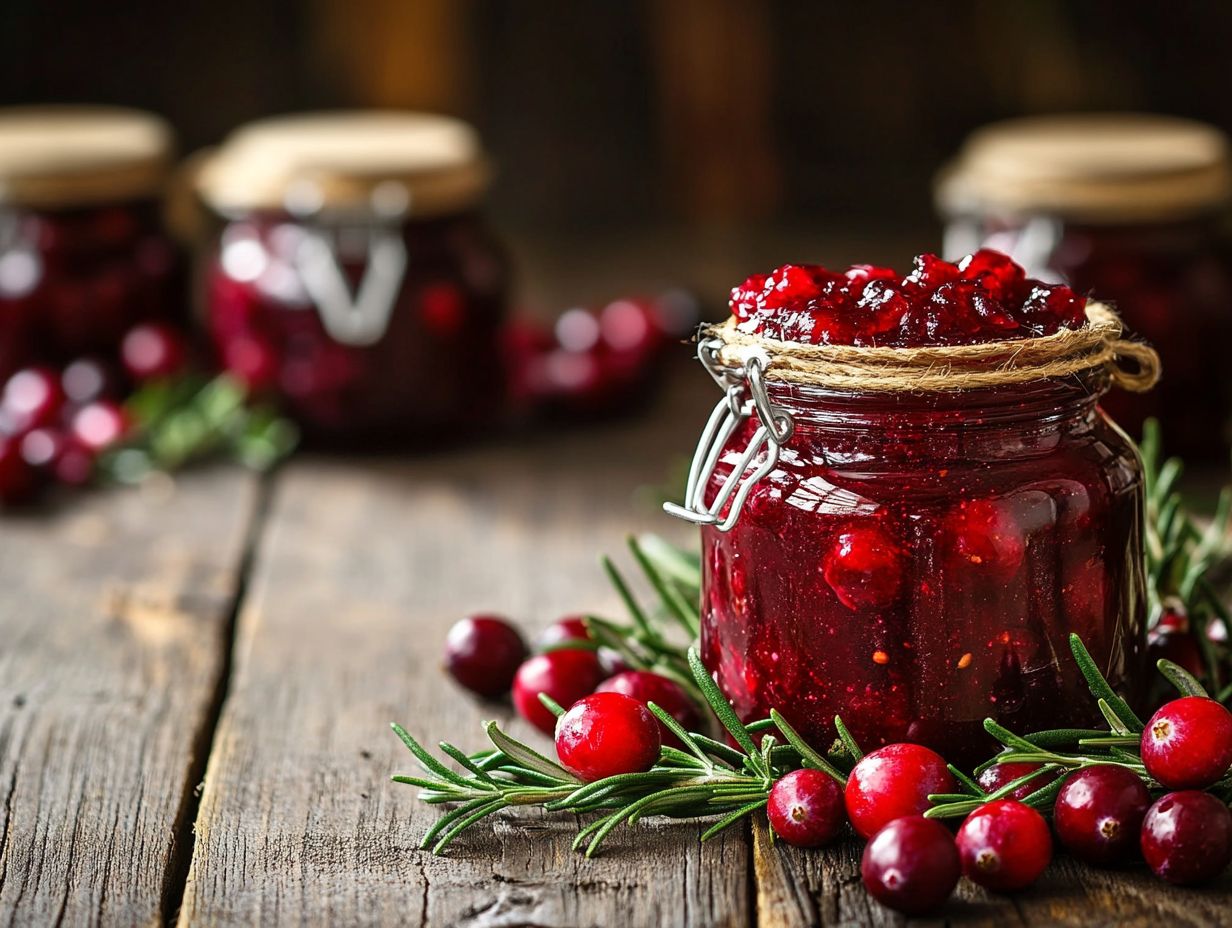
x: 800, y: 888
x: 361, y: 572
x: 113, y: 633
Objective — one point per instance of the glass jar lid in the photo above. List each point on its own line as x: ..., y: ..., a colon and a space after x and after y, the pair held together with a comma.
x: 65, y: 156
x: 386, y: 162
x: 1096, y: 168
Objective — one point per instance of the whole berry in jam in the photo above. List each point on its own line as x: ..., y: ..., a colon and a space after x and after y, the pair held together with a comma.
x: 1099, y: 812
x: 1187, y: 837
x: 995, y: 272
x: 1004, y: 845
x: 570, y: 628
x: 482, y: 653
x: 892, y: 782
x: 32, y: 398
x: 805, y: 808
x: 152, y: 351
x: 565, y: 676
x: 864, y: 568
x: 911, y: 865
x: 646, y: 686
x: 1187, y: 744
x: 999, y: 775
x: 606, y: 734
x: 983, y: 535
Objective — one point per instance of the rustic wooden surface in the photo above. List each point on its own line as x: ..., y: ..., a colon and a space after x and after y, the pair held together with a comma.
x: 119, y: 667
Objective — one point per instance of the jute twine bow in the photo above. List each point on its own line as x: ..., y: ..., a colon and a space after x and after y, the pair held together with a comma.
x: 1097, y: 345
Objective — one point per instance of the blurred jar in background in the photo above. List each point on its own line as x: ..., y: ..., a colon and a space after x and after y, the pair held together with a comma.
x: 83, y: 255
x: 1132, y: 209
x: 353, y: 276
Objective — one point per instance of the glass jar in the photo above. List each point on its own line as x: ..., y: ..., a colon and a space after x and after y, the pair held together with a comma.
x: 353, y: 276
x: 83, y: 253
x: 1134, y: 209
x: 915, y: 562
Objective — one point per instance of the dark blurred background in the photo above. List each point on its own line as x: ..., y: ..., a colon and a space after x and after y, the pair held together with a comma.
x: 718, y: 120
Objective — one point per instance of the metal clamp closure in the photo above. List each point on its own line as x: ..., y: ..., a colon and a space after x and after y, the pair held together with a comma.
x: 744, y: 395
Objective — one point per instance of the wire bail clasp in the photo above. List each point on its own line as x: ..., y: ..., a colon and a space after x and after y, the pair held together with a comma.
x: 744, y: 394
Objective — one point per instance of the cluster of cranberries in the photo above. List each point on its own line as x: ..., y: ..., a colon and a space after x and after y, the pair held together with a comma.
x: 607, y: 728
x: 594, y: 362
x: 984, y: 297
x: 55, y: 422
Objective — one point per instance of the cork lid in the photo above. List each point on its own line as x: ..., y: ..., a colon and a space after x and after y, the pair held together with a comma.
x: 1099, y: 168
x: 64, y: 156
x: 386, y: 161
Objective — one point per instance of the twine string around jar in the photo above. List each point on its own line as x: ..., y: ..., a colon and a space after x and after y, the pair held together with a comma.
x: 742, y: 362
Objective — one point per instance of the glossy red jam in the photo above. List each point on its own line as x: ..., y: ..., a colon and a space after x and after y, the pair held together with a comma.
x: 1172, y: 284
x: 984, y: 297
x: 916, y: 562
x: 74, y: 281
x: 436, y: 363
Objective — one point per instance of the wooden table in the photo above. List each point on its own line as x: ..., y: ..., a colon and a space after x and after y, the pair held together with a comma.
x: 196, y: 681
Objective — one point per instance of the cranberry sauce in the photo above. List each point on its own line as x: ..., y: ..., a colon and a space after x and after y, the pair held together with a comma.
x: 436, y: 364
x: 916, y: 562
x: 73, y: 281
x: 985, y: 297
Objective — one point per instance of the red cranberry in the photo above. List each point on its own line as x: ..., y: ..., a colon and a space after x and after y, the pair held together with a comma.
x: 606, y: 734
x: 565, y: 676
x: 85, y: 380
x: 152, y: 351
x: 1180, y: 647
x: 33, y: 398
x: 864, y: 567
x: 1099, y: 811
x: 911, y: 865
x: 570, y: 628
x: 805, y: 808
x: 645, y: 686
x: 1187, y: 837
x: 999, y: 775
x: 1004, y: 845
x: 997, y: 273
x: 929, y: 273
x: 17, y: 477
x: 985, y: 535
x: 629, y: 325
x: 99, y: 425
x: 483, y: 652
x: 892, y: 782
x: 1187, y: 744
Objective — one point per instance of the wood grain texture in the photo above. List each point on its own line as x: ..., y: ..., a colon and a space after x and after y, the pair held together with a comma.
x: 800, y: 888
x: 113, y: 634
x: 360, y: 574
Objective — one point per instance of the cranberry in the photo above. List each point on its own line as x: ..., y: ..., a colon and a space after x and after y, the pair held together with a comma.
x: 1004, y: 845
x: 1180, y: 647
x: 929, y: 273
x: 32, y: 398
x: 606, y: 734
x: 1187, y: 837
x: 864, y: 567
x: 152, y: 351
x: 17, y: 477
x: 1099, y: 811
x: 999, y: 775
x: 911, y: 865
x: 99, y: 425
x: 565, y: 676
x: 997, y: 273
x: 645, y: 686
x: 894, y: 781
x: 983, y: 534
x: 1187, y: 744
x: 483, y: 652
x: 570, y: 628
x: 85, y: 380
x: 805, y: 808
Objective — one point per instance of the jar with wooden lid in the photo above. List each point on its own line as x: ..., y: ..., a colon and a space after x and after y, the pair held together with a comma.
x: 1133, y: 208
x: 83, y: 253
x: 353, y: 276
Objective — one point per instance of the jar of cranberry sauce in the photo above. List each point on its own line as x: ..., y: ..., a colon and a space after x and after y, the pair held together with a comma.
x: 913, y: 558
x: 83, y: 254
x: 353, y: 277
x: 1134, y: 210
